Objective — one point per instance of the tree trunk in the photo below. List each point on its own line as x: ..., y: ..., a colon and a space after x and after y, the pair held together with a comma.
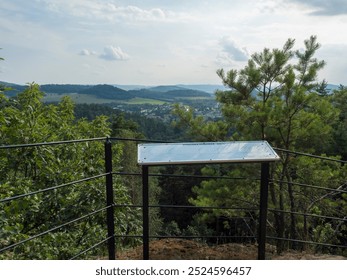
x: 280, y: 216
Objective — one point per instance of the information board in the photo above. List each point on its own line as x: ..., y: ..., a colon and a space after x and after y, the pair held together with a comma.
x: 205, y: 152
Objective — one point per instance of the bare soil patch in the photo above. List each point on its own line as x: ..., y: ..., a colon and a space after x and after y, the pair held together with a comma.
x: 179, y: 249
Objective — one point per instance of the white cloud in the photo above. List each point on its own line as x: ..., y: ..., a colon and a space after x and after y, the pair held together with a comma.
x: 182, y: 35
x: 230, y: 52
x: 134, y: 13
x: 333, y: 54
x: 114, y: 53
x: 86, y: 52
x: 324, y: 7
x: 111, y: 12
x: 109, y: 53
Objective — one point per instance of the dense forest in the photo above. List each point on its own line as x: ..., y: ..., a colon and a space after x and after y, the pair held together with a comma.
x: 276, y: 97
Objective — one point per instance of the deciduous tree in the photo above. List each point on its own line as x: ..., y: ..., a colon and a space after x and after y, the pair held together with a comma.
x: 26, y: 120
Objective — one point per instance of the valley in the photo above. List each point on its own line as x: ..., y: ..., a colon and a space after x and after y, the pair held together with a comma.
x: 152, y: 102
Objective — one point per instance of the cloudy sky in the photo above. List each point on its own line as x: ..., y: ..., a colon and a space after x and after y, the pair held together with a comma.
x: 152, y: 42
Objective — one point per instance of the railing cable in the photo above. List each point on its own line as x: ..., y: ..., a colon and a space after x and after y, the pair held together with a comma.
x: 310, y: 155
x: 91, y: 248
x: 51, y: 143
x: 52, y: 188
x: 54, y: 229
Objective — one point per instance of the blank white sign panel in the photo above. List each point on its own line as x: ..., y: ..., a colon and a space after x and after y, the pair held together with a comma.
x: 205, y: 152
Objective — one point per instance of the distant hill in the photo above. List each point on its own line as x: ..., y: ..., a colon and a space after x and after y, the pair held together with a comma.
x: 331, y: 87
x: 63, y: 89
x: 168, y: 94
x: 163, y: 93
x: 14, y: 89
x: 209, y: 88
x: 164, y: 88
x: 107, y: 92
x: 48, y: 88
x: 130, y: 87
x: 206, y: 88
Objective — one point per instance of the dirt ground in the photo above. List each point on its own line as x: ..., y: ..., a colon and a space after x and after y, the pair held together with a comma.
x: 179, y: 249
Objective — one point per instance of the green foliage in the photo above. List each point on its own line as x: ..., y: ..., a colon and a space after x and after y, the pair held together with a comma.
x: 107, y: 91
x: 235, y: 192
x: 199, y: 128
x: 171, y: 229
x: 276, y: 97
x: 272, y: 99
x: 127, y: 126
x: 177, y: 191
x: 91, y: 111
x: 324, y: 233
x: 26, y: 119
x: 339, y: 101
x: 132, y: 124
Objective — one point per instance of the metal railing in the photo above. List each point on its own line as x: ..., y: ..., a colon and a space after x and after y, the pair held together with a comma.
x: 108, y: 208
x: 111, y: 205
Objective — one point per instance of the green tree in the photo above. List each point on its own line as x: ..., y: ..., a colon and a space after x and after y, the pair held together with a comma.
x: 275, y: 97
x: 339, y: 101
x: 26, y: 120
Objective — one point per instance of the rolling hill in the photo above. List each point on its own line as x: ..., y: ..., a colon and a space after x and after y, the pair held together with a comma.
x: 107, y: 92
x: 110, y: 93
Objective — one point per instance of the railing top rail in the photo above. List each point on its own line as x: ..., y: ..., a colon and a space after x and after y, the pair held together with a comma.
x: 140, y: 140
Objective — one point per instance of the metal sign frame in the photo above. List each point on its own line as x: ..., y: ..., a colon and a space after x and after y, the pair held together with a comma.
x: 154, y: 154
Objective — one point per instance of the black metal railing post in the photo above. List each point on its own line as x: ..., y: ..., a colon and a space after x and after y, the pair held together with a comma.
x: 264, y: 186
x: 145, y: 212
x: 109, y: 200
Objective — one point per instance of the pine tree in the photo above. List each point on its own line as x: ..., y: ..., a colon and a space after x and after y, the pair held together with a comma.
x: 274, y: 98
